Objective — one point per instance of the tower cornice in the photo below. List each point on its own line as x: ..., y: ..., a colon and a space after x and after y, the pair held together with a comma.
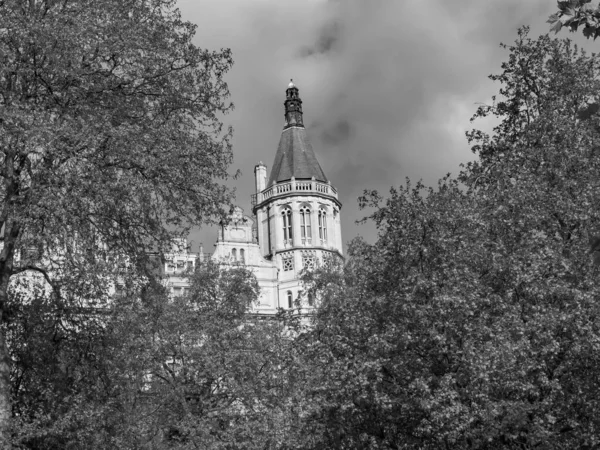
x: 295, y: 188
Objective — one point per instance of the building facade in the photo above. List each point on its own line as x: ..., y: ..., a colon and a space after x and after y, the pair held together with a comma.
x: 295, y: 221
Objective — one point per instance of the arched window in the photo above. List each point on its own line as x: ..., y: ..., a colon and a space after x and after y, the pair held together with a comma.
x: 242, y: 255
x: 290, y: 299
x: 311, y: 300
x: 233, y: 254
x: 305, y: 232
x: 322, y: 224
x: 286, y: 215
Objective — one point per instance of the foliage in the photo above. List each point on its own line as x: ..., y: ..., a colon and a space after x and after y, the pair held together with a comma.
x: 183, y: 373
x: 473, y: 321
x: 574, y: 14
x: 111, y: 143
x: 110, y: 129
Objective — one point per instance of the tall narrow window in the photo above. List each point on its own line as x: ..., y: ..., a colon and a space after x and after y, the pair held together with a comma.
x: 290, y: 299
x: 322, y: 224
x: 234, y: 254
x: 311, y: 301
x: 286, y: 215
x: 242, y: 255
x: 305, y: 232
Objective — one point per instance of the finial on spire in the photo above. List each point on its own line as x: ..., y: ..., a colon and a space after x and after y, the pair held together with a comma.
x: 291, y: 85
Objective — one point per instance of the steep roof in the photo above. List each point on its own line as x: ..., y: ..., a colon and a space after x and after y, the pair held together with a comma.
x: 295, y: 157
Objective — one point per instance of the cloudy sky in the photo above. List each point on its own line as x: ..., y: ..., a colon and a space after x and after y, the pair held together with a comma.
x: 388, y: 87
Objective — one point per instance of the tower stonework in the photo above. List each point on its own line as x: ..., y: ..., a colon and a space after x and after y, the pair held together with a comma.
x: 297, y: 213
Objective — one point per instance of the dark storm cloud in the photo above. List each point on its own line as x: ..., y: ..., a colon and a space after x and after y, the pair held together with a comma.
x: 338, y: 134
x: 388, y: 87
x: 328, y: 35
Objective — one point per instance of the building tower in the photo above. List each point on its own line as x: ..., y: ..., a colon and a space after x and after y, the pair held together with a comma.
x: 297, y: 211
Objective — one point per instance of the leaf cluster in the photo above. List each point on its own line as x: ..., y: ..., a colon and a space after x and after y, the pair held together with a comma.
x: 574, y: 14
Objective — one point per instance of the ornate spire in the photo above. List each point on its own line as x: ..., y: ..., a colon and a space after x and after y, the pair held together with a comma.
x: 293, y: 107
x: 295, y: 157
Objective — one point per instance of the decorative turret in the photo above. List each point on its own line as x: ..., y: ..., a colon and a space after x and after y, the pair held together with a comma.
x: 297, y: 211
x: 293, y: 107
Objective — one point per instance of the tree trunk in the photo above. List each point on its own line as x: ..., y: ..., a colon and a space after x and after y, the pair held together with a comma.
x: 5, y: 385
x: 6, y: 270
x: 5, y: 394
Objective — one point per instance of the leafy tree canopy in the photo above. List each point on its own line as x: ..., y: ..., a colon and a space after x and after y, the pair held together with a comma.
x: 152, y: 372
x: 111, y: 142
x: 473, y: 321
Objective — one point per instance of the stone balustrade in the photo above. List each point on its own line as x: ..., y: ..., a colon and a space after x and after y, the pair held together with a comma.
x: 300, y: 186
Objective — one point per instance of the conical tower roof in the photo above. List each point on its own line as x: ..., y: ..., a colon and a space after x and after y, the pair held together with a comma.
x: 295, y: 156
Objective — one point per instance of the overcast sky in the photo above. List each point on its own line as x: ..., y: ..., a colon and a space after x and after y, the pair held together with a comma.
x: 388, y: 87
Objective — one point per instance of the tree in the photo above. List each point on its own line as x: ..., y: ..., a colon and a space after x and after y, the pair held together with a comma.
x: 188, y: 372
x: 473, y: 321
x: 111, y: 143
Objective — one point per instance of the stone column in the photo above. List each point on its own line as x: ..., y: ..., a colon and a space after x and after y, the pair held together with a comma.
x: 331, y: 229
x: 276, y: 229
x: 296, y: 238
x: 314, y: 222
x: 338, y: 232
